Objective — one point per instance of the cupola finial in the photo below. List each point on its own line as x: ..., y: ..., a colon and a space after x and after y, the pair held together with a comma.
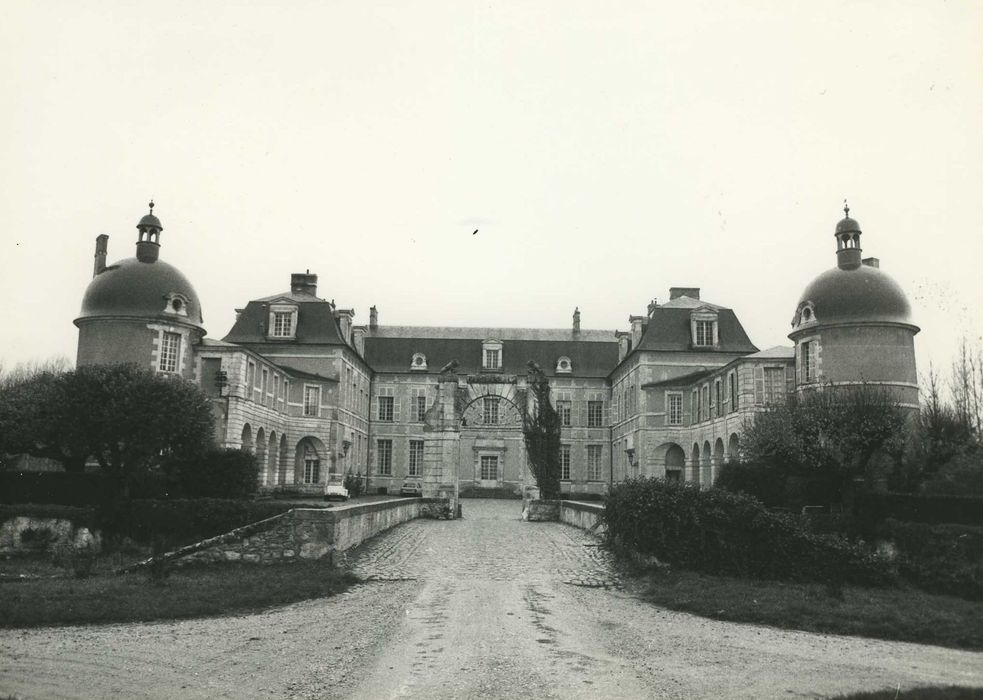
x: 846, y: 208
x: 151, y: 206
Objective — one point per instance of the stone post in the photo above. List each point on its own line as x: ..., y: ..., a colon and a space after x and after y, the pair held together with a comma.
x: 442, y: 448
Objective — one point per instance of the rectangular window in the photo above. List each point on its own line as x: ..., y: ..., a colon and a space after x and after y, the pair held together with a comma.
x: 808, y: 363
x: 276, y: 388
x: 493, y: 359
x: 416, y: 458
x: 595, y: 414
x: 170, y: 350
x: 565, y: 462
x: 563, y: 411
x: 774, y: 384
x: 593, y: 462
x: 263, y: 385
x: 250, y: 373
x: 674, y: 410
x: 705, y: 402
x: 421, y: 408
x: 704, y: 333
x: 489, y: 468
x: 732, y: 379
x: 490, y: 410
x: 694, y: 406
x: 386, y: 408
x: 312, y: 469
x: 312, y: 400
x: 282, y: 324
x: 718, y: 389
x: 384, y: 457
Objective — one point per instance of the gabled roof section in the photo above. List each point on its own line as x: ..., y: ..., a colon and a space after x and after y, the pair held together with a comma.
x: 289, y: 297
x: 668, y: 329
x: 779, y: 352
x: 681, y: 379
x: 590, y: 358
x: 316, y: 324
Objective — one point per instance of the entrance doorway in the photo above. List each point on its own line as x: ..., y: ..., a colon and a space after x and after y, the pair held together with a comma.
x: 489, y: 467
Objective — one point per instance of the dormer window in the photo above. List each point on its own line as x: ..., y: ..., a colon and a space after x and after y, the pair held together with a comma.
x: 703, y: 327
x: 805, y: 314
x: 176, y: 304
x: 419, y: 362
x: 491, y: 355
x: 564, y: 366
x: 283, y: 321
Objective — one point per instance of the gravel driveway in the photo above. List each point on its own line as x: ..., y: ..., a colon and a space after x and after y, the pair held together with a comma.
x: 487, y: 606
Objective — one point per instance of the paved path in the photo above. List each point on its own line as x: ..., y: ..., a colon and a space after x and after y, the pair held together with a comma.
x: 485, y: 607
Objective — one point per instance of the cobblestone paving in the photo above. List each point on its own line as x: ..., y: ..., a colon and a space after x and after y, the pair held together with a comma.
x: 491, y: 542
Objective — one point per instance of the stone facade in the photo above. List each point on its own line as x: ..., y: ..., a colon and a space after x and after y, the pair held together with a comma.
x: 432, y: 410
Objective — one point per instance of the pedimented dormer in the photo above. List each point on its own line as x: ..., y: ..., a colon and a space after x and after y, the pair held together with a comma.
x: 704, y: 328
x: 805, y: 314
x: 282, y: 324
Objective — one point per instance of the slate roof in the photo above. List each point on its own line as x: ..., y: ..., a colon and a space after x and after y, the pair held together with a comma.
x: 681, y: 379
x: 668, y: 329
x: 391, y: 349
x: 316, y: 324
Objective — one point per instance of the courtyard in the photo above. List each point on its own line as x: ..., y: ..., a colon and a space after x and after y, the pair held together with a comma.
x: 484, y: 606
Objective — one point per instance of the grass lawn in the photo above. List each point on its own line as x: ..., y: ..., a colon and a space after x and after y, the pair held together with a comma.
x: 950, y: 692
x: 900, y: 614
x: 190, y: 591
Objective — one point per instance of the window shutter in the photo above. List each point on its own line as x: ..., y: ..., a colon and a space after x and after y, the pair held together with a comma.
x: 396, y: 403
x: 759, y: 385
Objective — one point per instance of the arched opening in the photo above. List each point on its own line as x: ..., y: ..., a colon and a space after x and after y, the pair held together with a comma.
x: 261, y: 453
x: 272, y: 455
x: 310, y: 462
x: 718, y: 460
x: 733, y: 448
x: 281, y: 472
x: 675, y: 463
x: 695, y: 464
x: 246, y: 439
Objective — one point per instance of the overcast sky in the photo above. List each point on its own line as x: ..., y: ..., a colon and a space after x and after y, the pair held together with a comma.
x: 605, y: 152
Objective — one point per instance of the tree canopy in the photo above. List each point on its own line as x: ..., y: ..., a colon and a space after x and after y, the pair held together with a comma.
x: 124, y: 417
x: 541, y: 429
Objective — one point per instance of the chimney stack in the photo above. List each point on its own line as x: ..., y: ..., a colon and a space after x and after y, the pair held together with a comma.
x: 576, y: 320
x: 691, y: 292
x: 345, y: 317
x: 871, y: 262
x: 102, y: 247
x: 373, y: 318
x: 303, y: 283
x: 653, y: 305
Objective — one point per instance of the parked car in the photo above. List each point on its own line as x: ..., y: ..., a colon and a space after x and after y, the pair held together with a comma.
x: 334, y: 487
x: 411, y: 487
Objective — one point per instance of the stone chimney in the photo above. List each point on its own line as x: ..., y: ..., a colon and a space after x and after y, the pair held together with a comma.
x: 303, y: 283
x: 373, y: 318
x: 653, y: 305
x: 871, y: 262
x: 691, y: 292
x: 102, y: 247
x: 345, y: 317
x: 624, y: 344
x: 576, y: 320
x: 358, y: 339
x: 637, y: 328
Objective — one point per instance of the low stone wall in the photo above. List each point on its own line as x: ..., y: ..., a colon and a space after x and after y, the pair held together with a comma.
x: 24, y: 535
x: 536, y: 510
x: 586, y: 516
x: 306, y: 533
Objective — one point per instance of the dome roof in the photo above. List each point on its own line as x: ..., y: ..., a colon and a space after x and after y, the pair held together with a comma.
x: 149, y: 220
x: 151, y: 290
x: 863, y: 293
x: 846, y: 225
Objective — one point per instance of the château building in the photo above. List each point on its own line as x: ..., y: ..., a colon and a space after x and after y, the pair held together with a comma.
x: 313, y: 394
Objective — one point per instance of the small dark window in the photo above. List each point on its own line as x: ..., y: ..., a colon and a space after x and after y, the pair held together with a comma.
x: 176, y: 304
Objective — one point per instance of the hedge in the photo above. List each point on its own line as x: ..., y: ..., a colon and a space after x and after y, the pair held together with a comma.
x: 964, y: 510
x: 61, y: 488
x: 939, y: 558
x: 719, y: 532
x: 179, y: 522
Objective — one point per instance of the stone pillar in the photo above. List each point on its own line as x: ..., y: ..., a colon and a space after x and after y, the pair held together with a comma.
x: 442, y: 448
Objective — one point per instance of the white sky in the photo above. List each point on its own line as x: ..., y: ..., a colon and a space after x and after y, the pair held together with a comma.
x: 606, y: 151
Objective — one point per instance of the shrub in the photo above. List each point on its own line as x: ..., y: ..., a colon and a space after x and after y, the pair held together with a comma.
x: 80, y: 517
x: 939, y: 558
x: 965, y: 510
x: 719, y: 532
x: 184, y: 521
x: 219, y: 473
x: 62, y: 488
x: 355, y: 485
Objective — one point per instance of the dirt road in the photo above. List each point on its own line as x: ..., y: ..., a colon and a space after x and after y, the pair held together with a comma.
x: 486, y: 607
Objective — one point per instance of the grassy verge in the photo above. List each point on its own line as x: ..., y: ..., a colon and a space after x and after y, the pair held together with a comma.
x: 949, y: 692
x: 191, y: 591
x: 899, y: 614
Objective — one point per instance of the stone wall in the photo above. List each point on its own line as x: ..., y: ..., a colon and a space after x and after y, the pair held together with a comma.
x: 305, y: 533
x: 26, y: 535
x: 586, y: 516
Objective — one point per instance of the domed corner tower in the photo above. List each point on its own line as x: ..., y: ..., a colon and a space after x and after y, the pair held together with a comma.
x: 852, y: 325
x: 140, y: 310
